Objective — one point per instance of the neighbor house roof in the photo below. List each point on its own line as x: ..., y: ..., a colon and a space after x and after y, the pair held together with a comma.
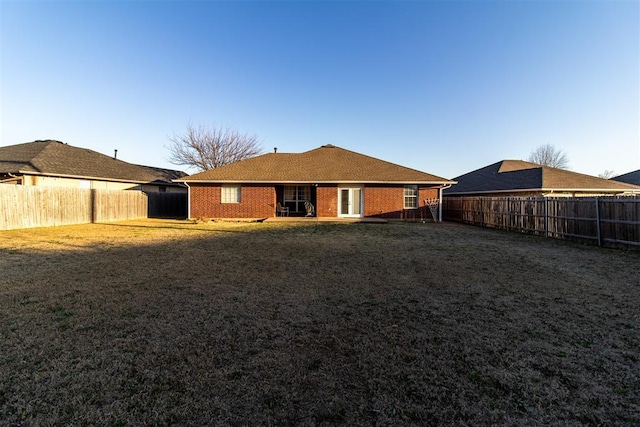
x: 326, y: 164
x: 55, y: 158
x: 508, y: 176
x: 629, y: 178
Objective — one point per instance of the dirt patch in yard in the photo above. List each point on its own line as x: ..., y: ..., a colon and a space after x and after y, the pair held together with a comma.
x: 168, y: 322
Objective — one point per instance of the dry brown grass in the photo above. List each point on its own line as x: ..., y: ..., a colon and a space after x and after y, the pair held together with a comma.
x: 167, y: 322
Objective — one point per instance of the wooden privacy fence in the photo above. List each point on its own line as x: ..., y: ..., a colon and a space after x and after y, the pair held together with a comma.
x: 605, y: 221
x: 167, y: 205
x: 26, y: 207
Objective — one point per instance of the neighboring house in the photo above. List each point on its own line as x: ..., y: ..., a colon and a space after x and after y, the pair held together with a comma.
x: 337, y: 182
x: 519, y: 178
x: 629, y: 178
x: 56, y: 164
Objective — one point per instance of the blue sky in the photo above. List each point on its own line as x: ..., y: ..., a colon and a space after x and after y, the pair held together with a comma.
x: 445, y: 87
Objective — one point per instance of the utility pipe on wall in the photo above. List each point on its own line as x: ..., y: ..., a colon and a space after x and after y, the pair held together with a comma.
x: 440, y: 200
x: 188, y: 200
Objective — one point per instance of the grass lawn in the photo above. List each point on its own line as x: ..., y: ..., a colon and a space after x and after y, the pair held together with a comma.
x: 161, y: 322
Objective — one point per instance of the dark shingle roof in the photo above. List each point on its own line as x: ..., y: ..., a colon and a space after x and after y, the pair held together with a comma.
x: 59, y: 159
x: 629, y: 178
x: 328, y: 164
x: 517, y: 175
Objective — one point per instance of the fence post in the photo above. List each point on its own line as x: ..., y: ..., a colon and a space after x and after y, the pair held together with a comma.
x: 508, y: 215
x: 598, y: 222
x: 94, y: 213
x: 546, y: 217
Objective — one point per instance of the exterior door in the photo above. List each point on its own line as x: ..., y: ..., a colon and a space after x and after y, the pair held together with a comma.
x: 350, y: 202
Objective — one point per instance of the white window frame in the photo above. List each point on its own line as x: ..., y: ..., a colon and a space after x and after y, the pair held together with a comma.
x: 355, y: 206
x: 230, y: 194
x: 411, y: 195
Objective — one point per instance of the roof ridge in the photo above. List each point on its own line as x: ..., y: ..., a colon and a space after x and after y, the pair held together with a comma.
x: 509, y: 165
x: 548, y: 169
x: 327, y: 163
x: 365, y: 156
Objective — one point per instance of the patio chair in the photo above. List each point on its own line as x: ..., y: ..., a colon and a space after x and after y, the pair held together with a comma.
x: 282, y: 210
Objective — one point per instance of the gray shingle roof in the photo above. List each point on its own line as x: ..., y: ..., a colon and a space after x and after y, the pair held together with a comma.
x: 56, y: 158
x: 517, y: 175
x: 629, y: 178
x: 327, y: 164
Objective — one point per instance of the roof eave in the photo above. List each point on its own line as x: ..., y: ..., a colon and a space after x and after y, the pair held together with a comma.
x: 525, y: 190
x: 547, y: 190
x: 593, y: 190
x: 95, y: 178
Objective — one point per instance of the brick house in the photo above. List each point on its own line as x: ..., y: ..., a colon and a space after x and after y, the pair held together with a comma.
x: 338, y: 183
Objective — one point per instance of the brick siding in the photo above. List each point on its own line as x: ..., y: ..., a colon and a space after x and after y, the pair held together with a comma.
x: 327, y: 201
x: 387, y: 201
x: 256, y: 201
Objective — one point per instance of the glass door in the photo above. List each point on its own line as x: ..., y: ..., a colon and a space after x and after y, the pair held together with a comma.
x: 350, y: 202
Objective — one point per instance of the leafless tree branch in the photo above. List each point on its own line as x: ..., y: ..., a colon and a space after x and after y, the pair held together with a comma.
x: 606, y: 174
x: 548, y: 155
x: 209, y: 148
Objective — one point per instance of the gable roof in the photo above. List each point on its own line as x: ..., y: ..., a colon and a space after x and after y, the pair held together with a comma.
x: 520, y: 176
x: 55, y: 158
x: 629, y: 178
x: 326, y: 164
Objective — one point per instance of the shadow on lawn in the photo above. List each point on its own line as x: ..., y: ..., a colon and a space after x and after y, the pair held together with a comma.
x: 186, y: 226
x: 359, y: 324
x: 237, y: 226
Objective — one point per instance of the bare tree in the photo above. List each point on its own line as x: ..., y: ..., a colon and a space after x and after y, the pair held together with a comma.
x: 208, y: 148
x: 548, y: 155
x: 606, y: 174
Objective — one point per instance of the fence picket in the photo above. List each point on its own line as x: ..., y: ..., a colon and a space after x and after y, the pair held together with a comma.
x: 606, y: 221
x: 26, y: 207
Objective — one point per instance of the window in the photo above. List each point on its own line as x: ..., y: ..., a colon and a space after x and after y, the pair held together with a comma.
x: 290, y: 192
x: 410, y: 196
x: 296, y: 192
x: 295, y: 196
x: 230, y: 194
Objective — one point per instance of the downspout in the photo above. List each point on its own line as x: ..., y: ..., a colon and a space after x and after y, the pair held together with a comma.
x: 440, y: 200
x: 188, y: 200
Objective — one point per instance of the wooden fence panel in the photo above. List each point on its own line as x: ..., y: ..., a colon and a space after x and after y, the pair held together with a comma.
x: 167, y: 205
x: 620, y: 222
x: 26, y: 207
x: 114, y: 205
x: 611, y: 221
